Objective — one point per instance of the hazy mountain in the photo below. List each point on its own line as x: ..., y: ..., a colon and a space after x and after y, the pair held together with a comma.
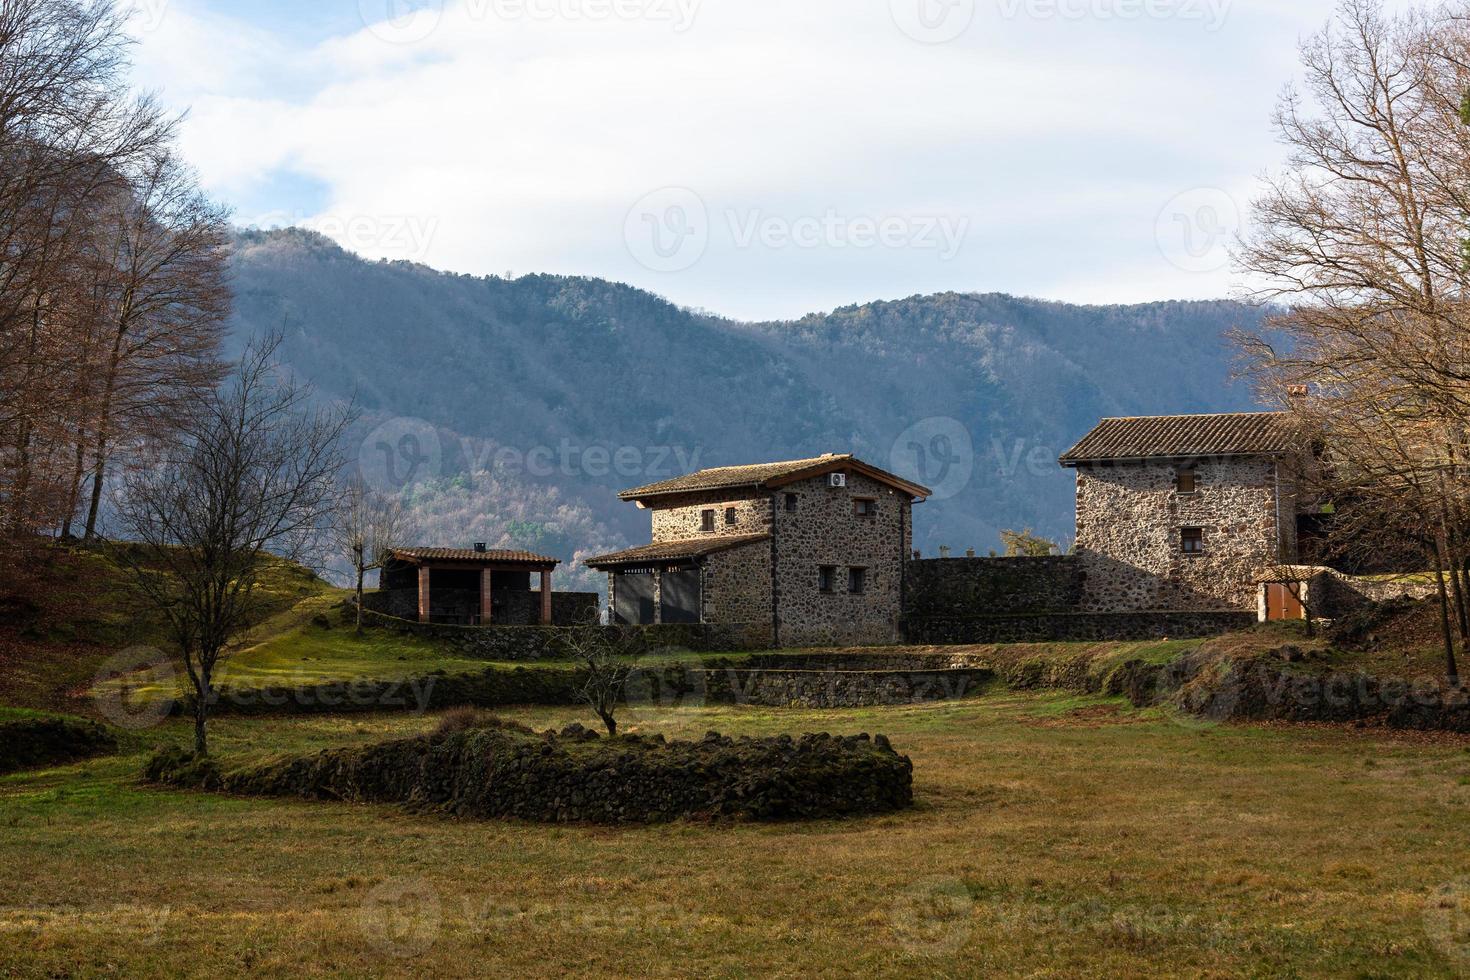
x: 513, y: 410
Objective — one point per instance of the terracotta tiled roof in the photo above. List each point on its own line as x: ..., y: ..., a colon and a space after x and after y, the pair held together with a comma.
x: 1184, y: 436
x: 469, y: 554
x: 675, y: 550
x: 766, y: 476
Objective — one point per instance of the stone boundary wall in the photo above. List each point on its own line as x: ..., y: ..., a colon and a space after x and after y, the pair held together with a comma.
x: 1331, y: 594
x: 515, y: 643
x: 963, y: 587
x: 1081, y: 627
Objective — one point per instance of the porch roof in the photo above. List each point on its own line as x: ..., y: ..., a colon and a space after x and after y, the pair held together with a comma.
x: 675, y: 550
x: 470, y: 556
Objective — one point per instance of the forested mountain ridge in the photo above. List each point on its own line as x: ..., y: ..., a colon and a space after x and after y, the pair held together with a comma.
x: 511, y: 411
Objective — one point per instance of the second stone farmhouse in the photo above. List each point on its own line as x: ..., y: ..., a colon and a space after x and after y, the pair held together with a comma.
x: 814, y: 549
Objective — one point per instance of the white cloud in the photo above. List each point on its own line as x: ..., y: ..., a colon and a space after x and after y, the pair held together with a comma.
x: 522, y: 141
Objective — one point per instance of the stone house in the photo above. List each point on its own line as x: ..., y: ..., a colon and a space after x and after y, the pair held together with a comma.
x: 810, y: 551
x: 1184, y: 512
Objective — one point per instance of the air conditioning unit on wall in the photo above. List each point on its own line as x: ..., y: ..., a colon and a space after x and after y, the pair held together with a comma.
x: 837, y: 480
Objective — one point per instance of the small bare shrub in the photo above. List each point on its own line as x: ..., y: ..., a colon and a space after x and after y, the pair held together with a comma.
x: 469, y: 719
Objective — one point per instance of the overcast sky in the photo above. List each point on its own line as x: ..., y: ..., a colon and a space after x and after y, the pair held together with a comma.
x: 758, y: 158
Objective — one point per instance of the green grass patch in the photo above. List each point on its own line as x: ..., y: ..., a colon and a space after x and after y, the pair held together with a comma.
x: 1044, y: 842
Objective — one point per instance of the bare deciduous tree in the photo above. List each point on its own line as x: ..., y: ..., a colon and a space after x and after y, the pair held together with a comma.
x: 1362, y: 237
x: 255, y: 476
x: 371, y: 525
x: 607, y: 657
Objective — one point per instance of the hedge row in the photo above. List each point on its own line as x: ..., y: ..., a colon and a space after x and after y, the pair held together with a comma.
x: 577, y: 776
x: 45, y: 740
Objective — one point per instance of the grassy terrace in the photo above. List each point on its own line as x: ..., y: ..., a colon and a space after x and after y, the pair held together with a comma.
x: 1053, y: 836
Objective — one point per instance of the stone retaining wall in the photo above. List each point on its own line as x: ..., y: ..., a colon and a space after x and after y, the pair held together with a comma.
x: 1066, y: 627
x: 520, y: 643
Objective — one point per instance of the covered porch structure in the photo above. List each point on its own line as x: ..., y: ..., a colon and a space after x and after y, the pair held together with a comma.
x: 472, y: 587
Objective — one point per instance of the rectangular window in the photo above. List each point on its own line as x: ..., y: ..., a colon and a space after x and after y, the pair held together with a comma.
x: 731, y: 518
x: 707, y: 520
x: 827, y: 578
x: 791, y: 500
x: 1186, y: 480
x: 857, y: 580
x: 865, y: 507
x: 1192, y: 541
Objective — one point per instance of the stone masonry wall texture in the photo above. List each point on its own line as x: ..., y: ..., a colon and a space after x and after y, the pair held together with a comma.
x: 737, y: 585
x: 825, y: 530
x: 1130, y: 520
x: 686, y: 521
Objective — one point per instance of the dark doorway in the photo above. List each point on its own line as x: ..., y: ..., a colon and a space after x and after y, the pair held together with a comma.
x: 680, y: 595
x: 633, y: 598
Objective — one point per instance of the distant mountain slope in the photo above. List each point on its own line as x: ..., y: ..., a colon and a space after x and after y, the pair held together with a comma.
x: 516, y: 379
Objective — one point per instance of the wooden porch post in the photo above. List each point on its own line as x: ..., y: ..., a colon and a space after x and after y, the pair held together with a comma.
x: 545, y: 597
x: 423, y: 593
x: 487, y: 604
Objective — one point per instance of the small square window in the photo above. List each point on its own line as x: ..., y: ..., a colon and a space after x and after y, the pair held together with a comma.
x: 1186, y: 480
x: 827, y: 578
x: 865, y: 507
x: 1192, y: 541
x: 857, y: 580
x: 731, y: 517
x: 791, y: 500
x: 707, y: 520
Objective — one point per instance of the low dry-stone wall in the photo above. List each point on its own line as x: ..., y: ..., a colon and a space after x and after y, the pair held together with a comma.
x: 576, y: 776
x: 528, y: 643
x: 1074, y: 627
x: 812, y: 682
x: 45, y: 740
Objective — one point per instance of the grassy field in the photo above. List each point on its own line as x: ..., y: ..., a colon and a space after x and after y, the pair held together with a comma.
x: 1053, y: 836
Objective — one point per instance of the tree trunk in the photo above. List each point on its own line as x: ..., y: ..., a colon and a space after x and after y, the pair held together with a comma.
x: 360, y: 573
x: 90, y: 532
x: 1452, y: 670
x: 103, y: 432
x: 1455, y: 558
x: 201, y: 723
x: 74, y: 494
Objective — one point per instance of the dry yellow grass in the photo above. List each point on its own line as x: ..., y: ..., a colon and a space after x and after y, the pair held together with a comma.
x: 1054, y: 836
